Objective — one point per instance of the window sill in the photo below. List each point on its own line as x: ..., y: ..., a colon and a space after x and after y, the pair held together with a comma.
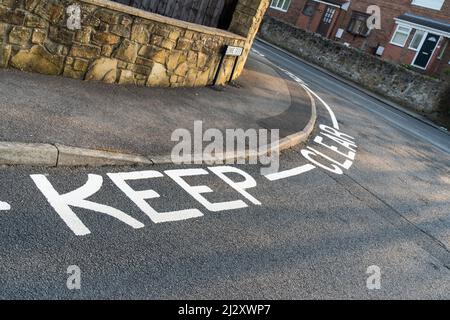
x: 278, y: 9
x: 397, y: 45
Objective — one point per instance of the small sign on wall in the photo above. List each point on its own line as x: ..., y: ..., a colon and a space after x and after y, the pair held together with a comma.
x: 380, y: 51
x: 234, y: 51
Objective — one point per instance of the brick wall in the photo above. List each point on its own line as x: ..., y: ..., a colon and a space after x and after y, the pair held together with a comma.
x: 293, y: 13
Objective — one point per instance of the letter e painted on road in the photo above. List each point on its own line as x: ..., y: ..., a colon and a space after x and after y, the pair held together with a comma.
x: 196, y: 191
x: 140, y: 197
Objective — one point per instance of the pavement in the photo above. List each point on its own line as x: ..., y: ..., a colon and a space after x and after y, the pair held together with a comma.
x: 115, y: 124
x: 314, y: 235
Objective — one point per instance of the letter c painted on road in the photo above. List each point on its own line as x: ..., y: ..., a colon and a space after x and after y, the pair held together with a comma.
x: 333, y: 168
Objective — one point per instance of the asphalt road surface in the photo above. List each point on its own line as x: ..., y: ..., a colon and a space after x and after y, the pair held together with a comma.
x: 364, y: 214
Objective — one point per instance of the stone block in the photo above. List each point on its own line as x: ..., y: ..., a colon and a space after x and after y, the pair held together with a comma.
x: 105, y: 38
x: 140, y: 34
x: 158, y: 76
x: 168, y: 44
x: 172, y: 61
x: 103, y: 69
x: 144, y: 62
x: 34, y: 21
x: 107, y: 16
x: 127, y: 51
x: 61, y: 35
x: 39, y: 60
x: 126, y: 77
x: 5, y: 54
x: 182, y: 69
x: 20, y: 35
x: 85, y: 51
x: 39, y: 36
x: 72, y: 73
x: 80, y: 65
x: 84, y: 35
x: 154, y: 53
x: 183, y: 44
x: 120, y: 30
x: 15, y: 17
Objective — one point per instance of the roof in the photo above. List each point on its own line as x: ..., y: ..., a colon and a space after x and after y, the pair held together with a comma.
x: 435, y: 24
x: 338, y: 2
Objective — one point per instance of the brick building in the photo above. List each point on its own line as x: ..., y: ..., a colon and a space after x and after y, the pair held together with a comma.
x: 413, y: 32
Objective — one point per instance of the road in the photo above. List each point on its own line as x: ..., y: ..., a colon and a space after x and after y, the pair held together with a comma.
x: 315, y: 232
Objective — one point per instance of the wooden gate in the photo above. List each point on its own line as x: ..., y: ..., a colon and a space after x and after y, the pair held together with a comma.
x: 212, y: 13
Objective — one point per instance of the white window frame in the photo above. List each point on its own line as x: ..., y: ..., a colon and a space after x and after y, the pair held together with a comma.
x: 430, y: 4
x: 279, y: 4
x: 425, y: 34
x: 397, y: 30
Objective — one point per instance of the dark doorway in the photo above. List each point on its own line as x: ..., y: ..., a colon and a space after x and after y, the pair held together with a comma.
x: 325, y: 22
x: 426, y: 51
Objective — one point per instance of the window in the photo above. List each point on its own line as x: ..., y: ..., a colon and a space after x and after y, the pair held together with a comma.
x: 282, y: 5
x: 358, y: 24
x: 328, y: 16
x: 417, y: 39
x: 309, y: 8
x: 430, y: 4
x: 400, y: 36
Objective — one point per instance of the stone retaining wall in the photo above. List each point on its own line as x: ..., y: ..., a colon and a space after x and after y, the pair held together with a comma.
x: 117, y: 43
x: 395, y: 82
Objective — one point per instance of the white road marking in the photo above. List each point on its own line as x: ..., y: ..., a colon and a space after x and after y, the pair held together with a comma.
x: 197, y: 191
x: 62, y: 203
x: 308, y: 90
x: 332, y: 115
x: 240, y: 187
x: 140, y: 197
x: 258, y: 53
x: 307, y: 167
x: 4, y: 206
x: 289, y: 173
x: 305, y: 86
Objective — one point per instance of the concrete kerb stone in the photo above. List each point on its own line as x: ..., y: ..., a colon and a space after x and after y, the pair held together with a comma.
x: 73, y: 157
x: 32, y: 154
